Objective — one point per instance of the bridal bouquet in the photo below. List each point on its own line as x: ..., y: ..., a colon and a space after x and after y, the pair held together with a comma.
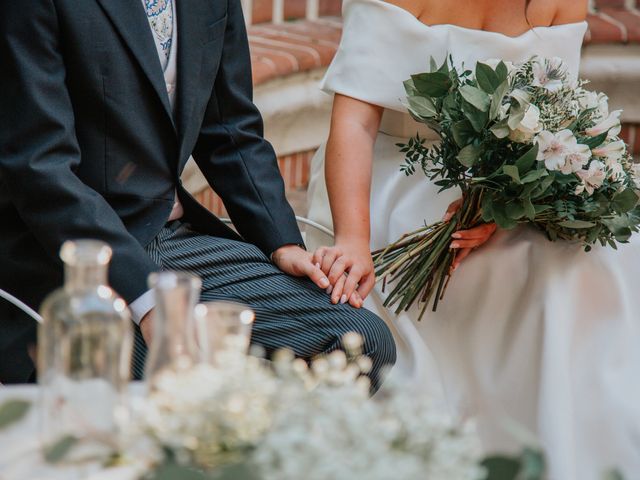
x: 525, y: 143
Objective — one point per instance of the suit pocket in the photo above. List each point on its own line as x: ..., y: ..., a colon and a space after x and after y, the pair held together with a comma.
x: 215, y: 30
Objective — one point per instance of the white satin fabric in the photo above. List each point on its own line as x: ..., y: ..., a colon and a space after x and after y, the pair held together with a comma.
x: 533, y: 333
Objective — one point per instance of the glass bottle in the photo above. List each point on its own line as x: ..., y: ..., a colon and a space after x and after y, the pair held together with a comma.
x: 84, y: 351
x: 173, y: 345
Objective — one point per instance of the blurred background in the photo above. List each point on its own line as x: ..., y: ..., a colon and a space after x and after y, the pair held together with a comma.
x: 293, y: 42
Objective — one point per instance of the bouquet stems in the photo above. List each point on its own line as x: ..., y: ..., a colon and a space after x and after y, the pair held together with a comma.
x: 419, y: 263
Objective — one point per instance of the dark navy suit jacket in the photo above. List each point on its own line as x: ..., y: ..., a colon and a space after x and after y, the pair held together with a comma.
x: 89, y: 147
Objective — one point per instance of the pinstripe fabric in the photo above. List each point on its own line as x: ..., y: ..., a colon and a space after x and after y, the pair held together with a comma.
x: 290, y: 312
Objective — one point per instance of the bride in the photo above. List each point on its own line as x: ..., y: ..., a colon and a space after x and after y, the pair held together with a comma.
x: 531, y: 333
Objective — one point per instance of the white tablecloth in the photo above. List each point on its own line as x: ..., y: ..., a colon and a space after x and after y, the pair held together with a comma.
x: 20, y: 453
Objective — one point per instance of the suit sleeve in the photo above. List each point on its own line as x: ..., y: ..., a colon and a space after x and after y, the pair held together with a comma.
x: 39, y: 152
x: 233, y: 155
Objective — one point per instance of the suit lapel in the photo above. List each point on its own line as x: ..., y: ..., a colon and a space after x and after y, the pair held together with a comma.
x: 193, y: 16
x: 129, y: 18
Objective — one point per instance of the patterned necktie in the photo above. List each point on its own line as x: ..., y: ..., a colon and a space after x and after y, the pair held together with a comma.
x: 160, y: 15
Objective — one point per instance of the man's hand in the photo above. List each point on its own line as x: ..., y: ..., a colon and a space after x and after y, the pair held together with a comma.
x: 297, y: 262
x: 146, y: 327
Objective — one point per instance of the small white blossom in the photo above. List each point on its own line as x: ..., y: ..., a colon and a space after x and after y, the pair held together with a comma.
x: 527, y: 128
x: 610, y: 124
x: 548, y: 74
x: 561, y: 151
x: 592, y: 178
x: 611, y: 151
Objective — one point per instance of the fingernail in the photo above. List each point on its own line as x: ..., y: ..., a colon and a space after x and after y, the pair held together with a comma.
x: 317, y: 265
x: 329, y: 290
x: 324, y: 282
x: 456, y: 235
x: 343, y: 299
x: 446, y: 217
x: 455, y: 245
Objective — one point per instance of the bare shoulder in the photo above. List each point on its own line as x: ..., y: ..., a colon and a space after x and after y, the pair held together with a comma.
x: 571, y: 11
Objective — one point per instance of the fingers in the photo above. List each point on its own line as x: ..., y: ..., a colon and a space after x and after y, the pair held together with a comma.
x: 366, y: 285
x: 318, y: 255
x: 452, y: 209
x: 472, y: 243
x: 337, y: 296
x: 316, y: 275
x: 338, y: 269
x: 353, y: 279
x: 330, y: 255
x: 482, y: 231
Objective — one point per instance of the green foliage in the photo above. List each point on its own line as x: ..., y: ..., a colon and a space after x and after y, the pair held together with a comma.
x: 58, y: 451
x: 530, y: 465
x: 12, y: 412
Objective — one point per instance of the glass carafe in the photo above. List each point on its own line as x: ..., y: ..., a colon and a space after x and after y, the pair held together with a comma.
x: 84, y: 351
x: 173, y: 337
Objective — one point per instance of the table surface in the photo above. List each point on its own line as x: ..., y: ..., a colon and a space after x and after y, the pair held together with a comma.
x: 20, y: 453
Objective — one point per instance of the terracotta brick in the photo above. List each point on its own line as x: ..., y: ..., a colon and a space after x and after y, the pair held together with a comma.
x: 630, y: 20
x: 610, y: 3
x: 604, y: 31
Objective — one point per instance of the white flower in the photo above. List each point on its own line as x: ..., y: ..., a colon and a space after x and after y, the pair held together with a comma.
x: 528, y: 126
x: 611, y: 151
x: 576, y: 159
x: 592, y: 178
x: 610, y: 124
x: 561, y: 151
x: 635, y: 171
x: 548, y: 74
x: 599, y: 102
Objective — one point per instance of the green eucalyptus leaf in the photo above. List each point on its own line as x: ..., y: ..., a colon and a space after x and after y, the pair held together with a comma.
x: 533, y: 465
x: 501, y: 218
x: 501, y: 468
x: 469, y: 155
x: 410, y: 88
x: 528, y: 160
x: 534, y: 175
x: 422, y: 107
x: 463, y: 133
x: 497, y: 98
x: 501, y: 129
x: 436, y: 84
x: 529, y: 209
x: 541, y: 208
x: 576, y: 224
x: 240, y: 471
x: 625, y: 201
x: 512, y: 171
x: 477, y: 118
x: 502, y: 71
x: 476, y: 97
x: 593, y: 142
x: 486, y: 77
x: 515, y: 117
x: 56, y: 452
x: 13, y: 411
x: 514, y: 210
x: 613, y: 475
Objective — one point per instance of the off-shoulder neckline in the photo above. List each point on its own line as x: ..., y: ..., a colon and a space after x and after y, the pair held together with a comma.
x: 468, y: 29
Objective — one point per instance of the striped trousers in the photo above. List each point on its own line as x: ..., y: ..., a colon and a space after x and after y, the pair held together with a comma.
x: 290, y: 312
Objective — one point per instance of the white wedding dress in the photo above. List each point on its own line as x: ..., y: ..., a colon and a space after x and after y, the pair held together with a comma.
x: 530, y: 332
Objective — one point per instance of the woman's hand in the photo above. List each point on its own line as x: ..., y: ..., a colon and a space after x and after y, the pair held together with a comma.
x: 349, y: 268
x: 465, y: 241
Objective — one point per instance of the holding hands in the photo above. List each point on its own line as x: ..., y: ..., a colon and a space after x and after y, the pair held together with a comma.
x: 349, y: 267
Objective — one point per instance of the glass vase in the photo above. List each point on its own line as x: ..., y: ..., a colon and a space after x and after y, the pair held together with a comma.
x: 173, y: 338
x: 84, y: 353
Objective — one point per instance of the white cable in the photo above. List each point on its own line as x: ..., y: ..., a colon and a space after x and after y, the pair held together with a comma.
x: 22, y: 306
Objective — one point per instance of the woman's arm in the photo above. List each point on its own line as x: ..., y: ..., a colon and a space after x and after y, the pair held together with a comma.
x: 348, y: 163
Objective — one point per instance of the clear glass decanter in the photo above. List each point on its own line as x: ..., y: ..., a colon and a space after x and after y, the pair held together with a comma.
x: 84, y: 351
x: 173, y: 346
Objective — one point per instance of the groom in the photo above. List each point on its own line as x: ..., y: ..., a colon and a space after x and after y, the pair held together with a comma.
x: 101, y: 104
